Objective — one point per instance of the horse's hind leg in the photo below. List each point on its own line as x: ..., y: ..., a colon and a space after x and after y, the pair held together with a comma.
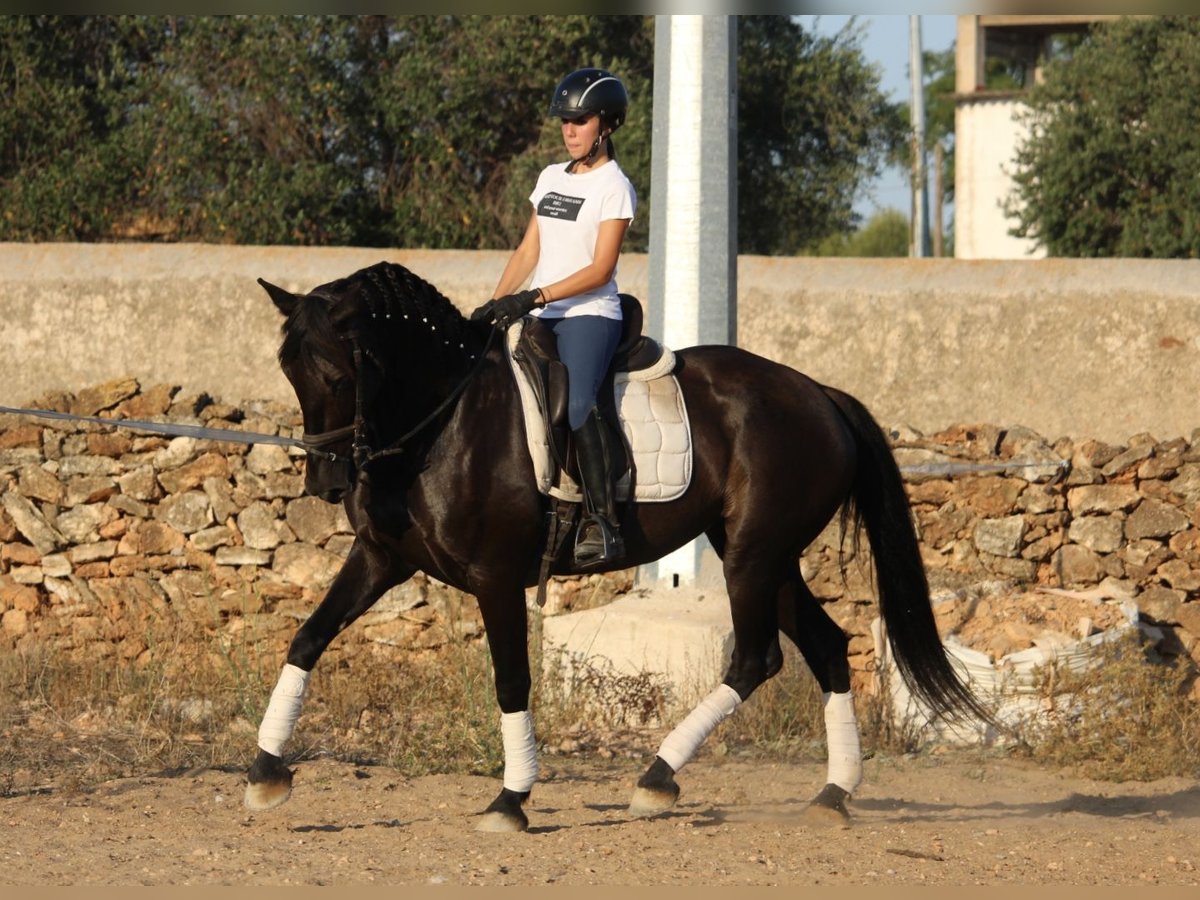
x: 823, y: 645
x: 756, y: 657
x: 357, y: 586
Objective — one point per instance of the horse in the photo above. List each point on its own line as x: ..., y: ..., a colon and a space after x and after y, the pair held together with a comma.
x: 412, y: 421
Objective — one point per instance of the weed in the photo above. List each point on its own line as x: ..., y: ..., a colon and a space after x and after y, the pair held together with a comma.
x: 1126, y: 718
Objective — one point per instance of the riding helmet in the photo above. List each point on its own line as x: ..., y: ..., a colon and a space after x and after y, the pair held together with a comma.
x: 594, y: 91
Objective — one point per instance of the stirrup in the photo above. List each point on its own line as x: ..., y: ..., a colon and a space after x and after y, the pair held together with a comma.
x: 598, y: 543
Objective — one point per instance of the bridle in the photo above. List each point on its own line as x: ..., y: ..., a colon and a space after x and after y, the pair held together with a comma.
x: 361, y: 453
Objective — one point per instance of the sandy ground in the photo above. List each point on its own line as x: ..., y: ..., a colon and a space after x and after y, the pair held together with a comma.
x: 955, y: 819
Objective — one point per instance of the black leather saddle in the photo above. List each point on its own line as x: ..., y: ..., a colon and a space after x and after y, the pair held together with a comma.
x: 536, y: 353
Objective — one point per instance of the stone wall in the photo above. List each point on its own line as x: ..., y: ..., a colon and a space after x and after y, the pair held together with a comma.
x: 1099, y: 347
x: 113, y: 542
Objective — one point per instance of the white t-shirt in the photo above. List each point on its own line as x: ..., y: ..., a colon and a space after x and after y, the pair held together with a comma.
x: 570, y: 208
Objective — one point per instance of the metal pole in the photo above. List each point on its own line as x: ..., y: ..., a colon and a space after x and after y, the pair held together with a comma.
x: 920, y: 226
x: 693, y: 222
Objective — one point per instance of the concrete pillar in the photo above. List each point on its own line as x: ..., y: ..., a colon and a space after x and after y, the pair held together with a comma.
x: 693, y: 220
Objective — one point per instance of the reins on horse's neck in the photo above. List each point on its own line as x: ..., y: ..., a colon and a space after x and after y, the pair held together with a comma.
x: 397, y: 445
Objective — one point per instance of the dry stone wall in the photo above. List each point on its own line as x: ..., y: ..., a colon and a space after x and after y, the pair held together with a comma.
x: 114, y: 543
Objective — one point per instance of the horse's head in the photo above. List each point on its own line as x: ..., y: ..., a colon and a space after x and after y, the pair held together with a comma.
x: 319, y: 362
x: 369, y: 355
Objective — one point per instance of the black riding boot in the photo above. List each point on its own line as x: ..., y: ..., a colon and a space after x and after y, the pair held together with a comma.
x: 599, y: 540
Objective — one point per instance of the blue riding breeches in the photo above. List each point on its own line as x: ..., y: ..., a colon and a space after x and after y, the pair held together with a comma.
x: 586, y: 345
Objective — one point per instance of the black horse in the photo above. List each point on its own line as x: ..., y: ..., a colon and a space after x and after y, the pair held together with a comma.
x: 416, y: 424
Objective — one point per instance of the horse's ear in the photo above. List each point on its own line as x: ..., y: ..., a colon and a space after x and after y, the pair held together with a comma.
x: 285, y: 300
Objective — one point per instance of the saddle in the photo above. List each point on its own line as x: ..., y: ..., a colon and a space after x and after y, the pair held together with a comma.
x: 536, y: 353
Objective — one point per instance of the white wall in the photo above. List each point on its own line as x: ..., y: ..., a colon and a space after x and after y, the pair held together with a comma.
x: 986, y: 138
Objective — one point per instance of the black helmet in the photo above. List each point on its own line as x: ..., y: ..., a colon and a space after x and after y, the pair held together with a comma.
x: 593, y: 91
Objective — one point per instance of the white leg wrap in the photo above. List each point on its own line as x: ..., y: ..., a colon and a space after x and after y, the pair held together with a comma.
x: 283, y: 710
x: 682, y: 743
x: 841, y: 734
x: 520, y: 751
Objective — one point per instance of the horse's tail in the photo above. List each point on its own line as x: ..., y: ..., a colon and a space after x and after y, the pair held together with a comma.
x: 880, y: 504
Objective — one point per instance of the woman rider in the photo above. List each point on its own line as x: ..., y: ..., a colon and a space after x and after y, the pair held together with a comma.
x: 580, y: 214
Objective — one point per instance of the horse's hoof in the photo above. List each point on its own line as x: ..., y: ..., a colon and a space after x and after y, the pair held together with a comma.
x: 648, y: 802
x: 270, y: 782
x: 828, y: 808
x: 502, y: 823
x: 504, y: 815
x: 267, y: 794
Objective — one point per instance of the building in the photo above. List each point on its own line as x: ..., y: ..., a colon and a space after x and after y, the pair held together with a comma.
x: 987, y: 130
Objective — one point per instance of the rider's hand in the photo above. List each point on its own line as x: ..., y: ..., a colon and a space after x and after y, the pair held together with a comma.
x: 484, y: 313
x: 509, y: 308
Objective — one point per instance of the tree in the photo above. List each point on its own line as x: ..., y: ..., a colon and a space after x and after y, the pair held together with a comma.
x: 1109, y: 165
x: 885, y: 234
x: 411, y: 131
x: 813, y: 128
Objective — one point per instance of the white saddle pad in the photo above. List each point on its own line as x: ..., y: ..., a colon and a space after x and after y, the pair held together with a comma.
x: 653, y: 418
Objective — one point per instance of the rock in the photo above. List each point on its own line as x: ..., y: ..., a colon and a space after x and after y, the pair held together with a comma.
x: 188, y: 512
x: 93, y: 400
x: 211, y: 538
x: 89, y: 489
x: 1102, y: 498
x: 305, y: 564
x: 1179, y: 575
x: 30, y: 522
x: 75, y: 464
x: 1094, y: 454
x: 1154, y: 518
x: 114, y: 444
x: 15, y: 622
x: 154, y: 401
x: 86, y: 553
x: 1188, y: 616
x: 178, y: 452
x: 1129, y: 459
x: 990, y: 495
x: 1103, y: 534
x: 1159, y: 603
x: 219, y: 495
x: 1000, y: 537
x: 1078, y: 564
x: 26, y: 574
x: 195, y: 473
x: 56, y: 565
x: 1186, y: 483
x: 261, y: 528
x: 140, y: 484
x: 37, y: 483
x: 155, y: 537
x: 266, y: 458
x: 314, y: 520
x: 242, y: 556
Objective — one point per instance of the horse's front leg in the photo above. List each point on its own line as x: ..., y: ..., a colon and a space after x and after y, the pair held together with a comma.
x: 361, y: 581
x: 505, y: 619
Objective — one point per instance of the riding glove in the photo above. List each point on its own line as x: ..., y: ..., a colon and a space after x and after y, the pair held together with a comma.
x: 507, y: 309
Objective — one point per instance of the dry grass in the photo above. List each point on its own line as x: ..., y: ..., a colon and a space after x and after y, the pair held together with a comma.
x: 72, y: 723
x: 1129, y: 718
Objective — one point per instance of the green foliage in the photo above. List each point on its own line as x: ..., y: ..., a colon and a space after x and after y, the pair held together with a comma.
x: 885, y: 234
x: 1109, y: 166
x: 813, y: 128
x: 412, y: 131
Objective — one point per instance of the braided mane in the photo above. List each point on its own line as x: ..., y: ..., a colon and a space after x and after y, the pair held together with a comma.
x: 392, y: 311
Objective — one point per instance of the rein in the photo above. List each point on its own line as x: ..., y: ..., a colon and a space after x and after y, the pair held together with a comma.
x: 361, y: 453
x: 310, y: 444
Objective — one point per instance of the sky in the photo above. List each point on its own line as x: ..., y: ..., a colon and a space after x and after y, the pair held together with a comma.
x: 885, y: 42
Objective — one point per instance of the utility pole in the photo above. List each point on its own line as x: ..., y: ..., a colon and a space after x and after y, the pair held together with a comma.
x: 920, y: 205
x: 693, y: 224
